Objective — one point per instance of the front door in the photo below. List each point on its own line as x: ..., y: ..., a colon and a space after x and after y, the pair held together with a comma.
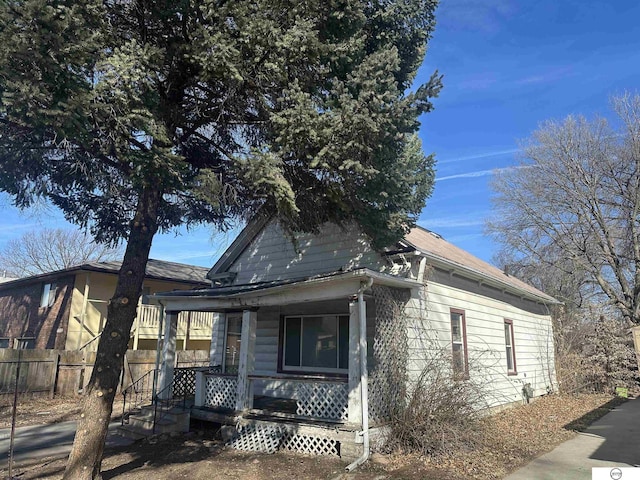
x: 233, y: 331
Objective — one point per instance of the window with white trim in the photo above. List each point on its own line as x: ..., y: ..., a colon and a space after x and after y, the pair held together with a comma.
x: 316, y: 343
x: 48, y: 295
x: 459, y: 343
x: 510, y: 347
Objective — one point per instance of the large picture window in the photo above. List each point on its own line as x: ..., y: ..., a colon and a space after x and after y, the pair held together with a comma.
x: 316, y: 343
x: 459, y: 344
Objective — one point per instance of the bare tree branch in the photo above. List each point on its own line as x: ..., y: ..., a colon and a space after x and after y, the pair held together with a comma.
x: 47, y: 250
x: 577, y: 193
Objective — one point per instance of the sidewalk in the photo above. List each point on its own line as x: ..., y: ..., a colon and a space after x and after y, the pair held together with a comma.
x: 612, y: 441
x: 40, y: 441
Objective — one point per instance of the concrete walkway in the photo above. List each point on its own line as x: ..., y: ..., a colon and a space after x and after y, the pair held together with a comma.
x: 40, y: 441
x: 612, y: 441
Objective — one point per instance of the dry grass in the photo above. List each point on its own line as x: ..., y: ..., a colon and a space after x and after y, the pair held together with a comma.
x: 509, y: 440
x: 41, y: 410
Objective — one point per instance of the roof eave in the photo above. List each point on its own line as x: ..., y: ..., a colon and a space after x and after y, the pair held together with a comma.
x: 488, y: 279
x: 242, y: 241
x: 88, y: 267
x: 362, y: 273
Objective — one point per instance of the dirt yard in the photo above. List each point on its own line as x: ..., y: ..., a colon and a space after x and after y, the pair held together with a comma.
x: 42, y: 410
x: 533, y: 429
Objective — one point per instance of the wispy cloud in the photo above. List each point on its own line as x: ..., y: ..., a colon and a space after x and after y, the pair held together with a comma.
x: 479, y: 173
x: 482, y: 173
x: 463, y: 238
x: 472, y: 220
x: 479, y: 81
x: 496, y: 153
x: 546, y: 77
x: 17, y: 226
x: 475, y: 15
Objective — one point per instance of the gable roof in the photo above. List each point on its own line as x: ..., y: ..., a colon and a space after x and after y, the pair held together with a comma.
x: 242, y: 241
x: 427, y: 243
x: 156, y: 270
x: 437, y: 249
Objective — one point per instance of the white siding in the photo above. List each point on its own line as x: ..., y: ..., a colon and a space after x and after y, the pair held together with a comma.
x: 272, y: 256
x: 268, y: 337
x: 217, y: 339
x: 430, y: 329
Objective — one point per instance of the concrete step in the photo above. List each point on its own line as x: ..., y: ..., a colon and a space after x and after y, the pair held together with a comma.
x: 163, y: 425
x: 171, y: 420
x: 150, y: 410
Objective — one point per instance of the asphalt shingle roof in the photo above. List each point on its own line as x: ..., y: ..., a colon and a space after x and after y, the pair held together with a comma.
x: 432, y: 244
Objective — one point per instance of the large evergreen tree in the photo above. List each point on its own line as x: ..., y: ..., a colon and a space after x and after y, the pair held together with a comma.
x: 139, y: 116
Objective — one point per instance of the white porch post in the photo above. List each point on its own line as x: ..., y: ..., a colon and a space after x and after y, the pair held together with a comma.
x: 244, y: 397
x: 355, y: 392
x: 168, y: 354
x: 136, y: 323
x: 215, y: 351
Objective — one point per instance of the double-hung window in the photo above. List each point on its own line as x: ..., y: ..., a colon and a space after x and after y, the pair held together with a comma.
x: 48, y: 295
x: 459, y: 344
x: 315, y: 343
x: 510, y: 347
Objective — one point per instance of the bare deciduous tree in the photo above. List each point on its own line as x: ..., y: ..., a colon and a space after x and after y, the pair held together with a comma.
x: 577, y: 193
x: 51, y: 249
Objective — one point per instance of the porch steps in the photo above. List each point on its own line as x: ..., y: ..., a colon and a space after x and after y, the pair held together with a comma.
x: 174, y: 419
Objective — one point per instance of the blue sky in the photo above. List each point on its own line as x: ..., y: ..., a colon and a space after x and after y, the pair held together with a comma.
x: 507, y: 65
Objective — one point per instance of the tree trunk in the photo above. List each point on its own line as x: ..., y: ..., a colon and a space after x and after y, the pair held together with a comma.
x: 86, y: 456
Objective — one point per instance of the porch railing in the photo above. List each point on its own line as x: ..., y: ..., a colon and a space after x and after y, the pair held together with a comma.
x: 322, y: 399
x: 220, y: 390
x: 315, y: 399
x: 148, y: 320
x: 178, y: 393
x: 140, y: 393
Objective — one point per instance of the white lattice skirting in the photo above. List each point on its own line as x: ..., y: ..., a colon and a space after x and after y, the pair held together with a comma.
x: 322, y: 400
x: 271, y: 438
x: 221, y: 392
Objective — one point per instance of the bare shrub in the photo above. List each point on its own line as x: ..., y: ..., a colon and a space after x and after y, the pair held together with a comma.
x: 441, y: 414
x: 602, y: 360
x: 610, y: 358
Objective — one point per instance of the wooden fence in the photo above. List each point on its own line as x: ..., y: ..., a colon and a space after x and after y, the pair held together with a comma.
x: 66, y: 373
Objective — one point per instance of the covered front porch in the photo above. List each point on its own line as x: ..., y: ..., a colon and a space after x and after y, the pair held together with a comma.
x: 315, y: 359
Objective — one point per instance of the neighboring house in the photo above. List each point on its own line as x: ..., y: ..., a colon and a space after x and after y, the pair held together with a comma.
x: 301, y: 329
x: 66, y: 309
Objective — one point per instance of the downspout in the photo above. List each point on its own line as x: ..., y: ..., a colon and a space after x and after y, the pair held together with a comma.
x: 364, y: 376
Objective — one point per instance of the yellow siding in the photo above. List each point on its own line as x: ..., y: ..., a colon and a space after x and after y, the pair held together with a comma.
x: 101, y: 289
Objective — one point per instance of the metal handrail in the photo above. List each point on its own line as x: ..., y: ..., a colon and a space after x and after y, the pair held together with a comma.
x: 171, y: 401
x: 140, y: 391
